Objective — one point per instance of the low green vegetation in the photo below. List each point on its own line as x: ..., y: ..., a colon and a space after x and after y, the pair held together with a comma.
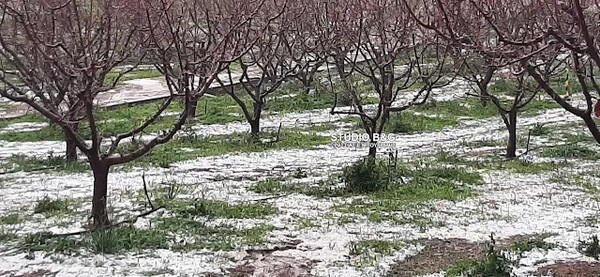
x: 22, y: 119
x: 163, y: 235
x: 213, y: 208
x: 532, y: 243
x: 493, y: 264
x: 200, y: 236
x: 409, y: 122
x: 133, y: 75
x: 389, y: 189
x: 51, y: 207
x: 571, y: 151
x: 186, y: 148
x: 540, y: 130
x: 13, y: 218
x: 108, y: 241
x: 590, y: 247
x: 6, y: 236
x: 53, y: 163
x: 497, y: 163
x: 367, y: 251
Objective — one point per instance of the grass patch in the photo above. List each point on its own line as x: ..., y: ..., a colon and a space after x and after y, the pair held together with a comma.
x: 51, y: 207
x: 493, y: 264
x: 213, y: 208
x: 466, y: 107
x: 388, y: 189
x: 106, y: 241
x: 408, y: 186
x: 409, y: 122
x: 532, y: 243
x: 369, y: 250
x: 187, y: 148
x: 512, y: 165
x: 53, y: 163
x: 22, y: 119
x: 200, y: 236
x: 571, y: 151
x: 540, y: 130
x: 6, y: 236
x: 48, y: 133
x: 10, y: 219
x: 306, y: 223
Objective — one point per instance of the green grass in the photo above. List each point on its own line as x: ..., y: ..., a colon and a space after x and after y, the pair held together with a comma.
x: 306, y: 223
x: 540, y: 130
x: 496, y: 163
x: 532, y: 243
x: 106, y: 241
x: 493, y: 264
x: 6, y: 236
x: 163, y: 235
x: 220, y: 209
x: 51, y: 207
x: 189, y: 148
x: 50, y: 163
x: 383, y: 247
x: 22, y: 119
x: 571, y: 151
x: 200, y: 236
x: 404, y: 186
x: 133, y: 75
x: 367, y: 251
x: 13, y: 218
x: 409, y: 122
x: 465, y: 107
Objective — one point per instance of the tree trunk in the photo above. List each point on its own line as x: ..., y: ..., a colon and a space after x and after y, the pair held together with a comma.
x: 592, y: 126
x: 255, y: 121
x: 71, y: 150
x: 511, y: 148
x: 372, y: 151
x: 99, y: 213
x: 255, y: 127
x: 193, y: 108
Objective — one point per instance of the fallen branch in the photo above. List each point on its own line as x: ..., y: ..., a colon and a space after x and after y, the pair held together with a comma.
x: 110, y: 226
x: 269, y: 198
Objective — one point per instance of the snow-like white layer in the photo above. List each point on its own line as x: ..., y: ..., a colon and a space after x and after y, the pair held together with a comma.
x: 507, y: 204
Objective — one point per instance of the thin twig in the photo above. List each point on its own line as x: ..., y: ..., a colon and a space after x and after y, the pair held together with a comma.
x: 146, y: 190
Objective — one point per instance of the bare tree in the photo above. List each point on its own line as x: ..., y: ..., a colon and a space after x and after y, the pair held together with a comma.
x: 377, y: 42
x: 63, y: 51
x: 264, y: 67
x: 543, y: 38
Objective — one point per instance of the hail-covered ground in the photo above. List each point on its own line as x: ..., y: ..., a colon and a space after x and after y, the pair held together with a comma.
x: 261, y: 213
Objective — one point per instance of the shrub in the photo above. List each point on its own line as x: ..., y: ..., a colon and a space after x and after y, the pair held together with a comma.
x: 590, y: 248
x: 366, y: 175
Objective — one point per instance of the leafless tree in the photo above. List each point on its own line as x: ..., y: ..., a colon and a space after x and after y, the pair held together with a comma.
x: 264, y: 67
x: 378, y: 42
x: 62, y: 52
x: 543, y: 38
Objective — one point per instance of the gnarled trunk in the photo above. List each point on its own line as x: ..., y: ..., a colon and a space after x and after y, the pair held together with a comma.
x: 99, y: 213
